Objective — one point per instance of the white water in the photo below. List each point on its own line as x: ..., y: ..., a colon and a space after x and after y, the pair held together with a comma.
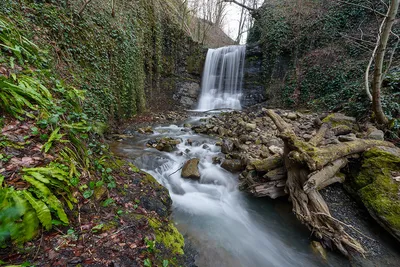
x: 222, y: 78
x: 227, y: 227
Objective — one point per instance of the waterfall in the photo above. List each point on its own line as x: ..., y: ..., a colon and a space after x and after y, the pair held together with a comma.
x: 222, y: 78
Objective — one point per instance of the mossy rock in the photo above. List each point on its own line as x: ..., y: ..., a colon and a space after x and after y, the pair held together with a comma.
x: 338, y: 119
x: 377, y: 189
x: 168, y: 235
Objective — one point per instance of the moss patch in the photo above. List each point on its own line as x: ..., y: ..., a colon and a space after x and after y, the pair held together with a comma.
x: 376, y: 188
x: 168, y: 235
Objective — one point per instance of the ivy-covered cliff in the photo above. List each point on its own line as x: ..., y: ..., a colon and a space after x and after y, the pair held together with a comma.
x: 314, y: 54
x: 128, y: 58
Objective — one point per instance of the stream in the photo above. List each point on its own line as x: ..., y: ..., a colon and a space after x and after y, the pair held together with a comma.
x: 225, y: 226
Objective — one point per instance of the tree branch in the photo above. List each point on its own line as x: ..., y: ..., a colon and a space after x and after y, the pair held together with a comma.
x: 83, y: 7
x: 315, y: 180
x: 366, y: 7
x: 250, y: 9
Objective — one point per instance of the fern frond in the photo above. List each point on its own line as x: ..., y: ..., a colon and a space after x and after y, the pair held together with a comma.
x: 48, y: 197
x: 55, y: 136
x: 42, y: 211
x: 30, y: 216
x: 51, y: 171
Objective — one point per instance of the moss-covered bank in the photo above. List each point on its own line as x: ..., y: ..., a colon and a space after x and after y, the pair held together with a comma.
x: 376, y: 187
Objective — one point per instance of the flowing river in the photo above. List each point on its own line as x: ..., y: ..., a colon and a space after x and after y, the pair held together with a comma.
x: 226, y: 227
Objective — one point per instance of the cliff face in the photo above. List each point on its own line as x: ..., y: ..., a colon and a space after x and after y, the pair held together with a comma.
x: 253, y: 85
x: 128, y: 59
x: 314, y: 54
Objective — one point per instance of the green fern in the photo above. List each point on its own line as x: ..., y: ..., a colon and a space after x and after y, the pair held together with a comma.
x: 22, y: 211
x: 42, y: 211
x: 27, y: 92
x: 55, y: 136
x: 19, y: 221
x: 44, y: 193
x: 21, y: 47
x: 20, y: 91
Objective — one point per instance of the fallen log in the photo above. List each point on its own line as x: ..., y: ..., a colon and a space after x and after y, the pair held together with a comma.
x: 316, y: 179
x: 265, y: 165
x: 310, y: 168
x: 338, y: 178
x: 317, y: 139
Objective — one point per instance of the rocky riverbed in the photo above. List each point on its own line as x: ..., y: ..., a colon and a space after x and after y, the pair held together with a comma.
x: 253, y: 149
x: 252, y: 146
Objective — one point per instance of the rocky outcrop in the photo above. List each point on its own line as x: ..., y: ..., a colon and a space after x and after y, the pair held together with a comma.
x: 191, y: 169
x: 316, y: 149
x: 187, y: 93
x: 253, y: 84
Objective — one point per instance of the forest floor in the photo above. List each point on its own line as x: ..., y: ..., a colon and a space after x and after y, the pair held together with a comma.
x: 118, y: 226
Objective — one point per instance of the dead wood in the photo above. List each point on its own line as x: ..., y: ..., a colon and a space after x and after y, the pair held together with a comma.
x: 309, y: 168
x: 338, y: 178
x: 316, y: 179
x: 265, y: 165
x: 273, y: 189
x: 317, y: 139
x: 276, y: 174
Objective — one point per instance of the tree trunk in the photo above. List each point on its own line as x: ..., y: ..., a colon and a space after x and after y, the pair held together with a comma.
x: 113, y: 8
x: 379, y: 59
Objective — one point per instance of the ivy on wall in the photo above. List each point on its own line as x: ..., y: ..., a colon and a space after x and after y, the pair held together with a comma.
x: 119, y: 60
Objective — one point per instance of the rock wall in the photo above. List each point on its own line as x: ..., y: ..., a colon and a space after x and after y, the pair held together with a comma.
x: 253, y: 87
x: 180, y: 81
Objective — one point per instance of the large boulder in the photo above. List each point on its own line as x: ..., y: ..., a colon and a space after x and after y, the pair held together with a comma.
x: 191, y: 169
x: 233, y: 165
x: 340, y: 123
x: 374, y: 133
x: 378, y: 189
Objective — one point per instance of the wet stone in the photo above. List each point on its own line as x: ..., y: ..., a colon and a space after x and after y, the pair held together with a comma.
x: 190, y: 169
x: 232, y: 165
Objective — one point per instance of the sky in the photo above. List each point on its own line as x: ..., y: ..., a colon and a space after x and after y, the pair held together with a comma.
x: 232, y: 18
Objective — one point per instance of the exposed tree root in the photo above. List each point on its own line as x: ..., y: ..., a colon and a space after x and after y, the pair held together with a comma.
x: 310, y: 168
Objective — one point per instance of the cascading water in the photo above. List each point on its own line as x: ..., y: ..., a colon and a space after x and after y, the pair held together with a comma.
x: 226, y: 227
x: 222, y: 78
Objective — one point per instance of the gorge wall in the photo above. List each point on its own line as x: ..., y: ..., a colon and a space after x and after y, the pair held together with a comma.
x: 253, y: 86
x: 128, y: 58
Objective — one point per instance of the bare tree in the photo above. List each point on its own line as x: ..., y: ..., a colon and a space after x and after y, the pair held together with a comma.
x: 386, y: 28
x: 251, y: 9
x: 248, y: 8
x: 113, y: 8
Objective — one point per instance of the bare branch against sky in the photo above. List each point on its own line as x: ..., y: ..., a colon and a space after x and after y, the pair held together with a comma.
x: 229, y: 16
